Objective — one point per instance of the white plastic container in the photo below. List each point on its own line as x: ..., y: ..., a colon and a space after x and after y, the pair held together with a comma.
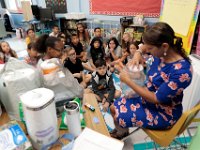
x: 137, y: 76
x: 73, y: 117
x: 40, y: 116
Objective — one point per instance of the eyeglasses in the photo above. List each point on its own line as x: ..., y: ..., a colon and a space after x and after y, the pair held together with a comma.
x: 73, y: 54
x: 59, y: 50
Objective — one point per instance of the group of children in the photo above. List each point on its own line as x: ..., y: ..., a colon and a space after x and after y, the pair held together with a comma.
x: 90, y: 61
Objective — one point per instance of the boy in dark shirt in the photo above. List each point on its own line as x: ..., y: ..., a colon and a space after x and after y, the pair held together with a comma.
x: 78, y: 47
x: 102, y: 84
x: 75, y: 66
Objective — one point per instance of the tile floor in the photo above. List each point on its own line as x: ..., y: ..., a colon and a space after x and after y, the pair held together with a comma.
x: 19, y: 46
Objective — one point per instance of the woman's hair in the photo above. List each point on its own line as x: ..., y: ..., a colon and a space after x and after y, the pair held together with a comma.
x: 29, y: 30
x: 11, y: 51
x: 161, y: 33
x: 94, y: 40
x: 115, y: 41
x: 45, y: 41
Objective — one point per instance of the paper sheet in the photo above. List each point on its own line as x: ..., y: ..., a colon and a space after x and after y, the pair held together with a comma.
x: 179, y: 14
x: 92, y: 140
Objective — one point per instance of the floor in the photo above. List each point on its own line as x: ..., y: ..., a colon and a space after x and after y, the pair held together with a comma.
x: 19, y: 46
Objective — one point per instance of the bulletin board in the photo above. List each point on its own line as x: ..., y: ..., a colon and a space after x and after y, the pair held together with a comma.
x: 148, y: 8
x: 59, y: 6
x: 184, y: 18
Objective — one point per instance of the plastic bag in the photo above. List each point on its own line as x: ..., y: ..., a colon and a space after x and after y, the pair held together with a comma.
x: 60, y: 80
x: 16, y: 78
x: 137, y: 75
x: 63, y: 124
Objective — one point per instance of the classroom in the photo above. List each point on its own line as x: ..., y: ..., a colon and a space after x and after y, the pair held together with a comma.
x: 99, y: 75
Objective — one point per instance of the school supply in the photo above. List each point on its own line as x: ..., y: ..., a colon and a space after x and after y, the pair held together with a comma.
x: 64, y: 124
x: 89, y: 106
x: 92, y: 140
x: 73, y: 117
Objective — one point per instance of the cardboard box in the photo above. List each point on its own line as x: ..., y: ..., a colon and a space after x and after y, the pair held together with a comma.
x: 12, y: 137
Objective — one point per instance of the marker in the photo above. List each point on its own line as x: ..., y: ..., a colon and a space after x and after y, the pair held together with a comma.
x: 89, y: 106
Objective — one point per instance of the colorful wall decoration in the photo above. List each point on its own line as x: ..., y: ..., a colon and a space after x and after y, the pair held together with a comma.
x: 59, y: 6
x: 148, y: 8
x: 188, y: 37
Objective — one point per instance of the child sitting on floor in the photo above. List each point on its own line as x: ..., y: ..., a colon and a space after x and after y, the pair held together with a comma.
x: 6, y: 52
x: 55, y: 31
x: 75, y: 66
x: 32, y: 58
x: 102, y: 84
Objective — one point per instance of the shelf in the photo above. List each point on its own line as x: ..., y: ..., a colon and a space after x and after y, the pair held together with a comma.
x: 135, y: 25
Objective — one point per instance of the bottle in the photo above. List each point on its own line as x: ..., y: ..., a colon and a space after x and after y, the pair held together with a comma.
x: 73, y: 117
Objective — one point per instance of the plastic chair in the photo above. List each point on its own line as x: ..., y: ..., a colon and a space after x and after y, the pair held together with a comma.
x: 165, y: 137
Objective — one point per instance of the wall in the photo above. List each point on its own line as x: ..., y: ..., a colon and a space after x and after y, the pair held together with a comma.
x: 83, y: 6
x: 73, y: 5
x: 40, y: 3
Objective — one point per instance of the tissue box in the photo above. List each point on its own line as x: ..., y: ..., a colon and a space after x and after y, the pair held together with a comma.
x: 12, y: 137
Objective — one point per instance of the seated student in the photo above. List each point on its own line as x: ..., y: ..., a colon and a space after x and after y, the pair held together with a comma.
x: 113, y: 50
x: 48, y: 47
x: 55, y: 31
x: 64, y: 54
x: 31, y: 37
x: 63, y: 39
x: 97, y: 34
x: 78, y: 47
x: 133, y: 46
x: 6, y: 51
x: 75, y: 66
x: 32, y: 58
x: 96, y: 51
x: 126, y: 39
x: 83, y: 35
x: 124, y: 59
x: 102, y: 84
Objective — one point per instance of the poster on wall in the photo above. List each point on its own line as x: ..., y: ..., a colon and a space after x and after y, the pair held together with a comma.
x: 59, y: 6
x: 187, y: 33
x: 148, y: 8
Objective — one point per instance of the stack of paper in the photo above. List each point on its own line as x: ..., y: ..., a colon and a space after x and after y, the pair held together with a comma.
x: 92, y: 140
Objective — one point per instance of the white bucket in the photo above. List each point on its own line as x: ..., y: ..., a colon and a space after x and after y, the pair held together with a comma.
x: 40, y: 116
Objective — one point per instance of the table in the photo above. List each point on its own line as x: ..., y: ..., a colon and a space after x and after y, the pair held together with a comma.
x: 88, y: 115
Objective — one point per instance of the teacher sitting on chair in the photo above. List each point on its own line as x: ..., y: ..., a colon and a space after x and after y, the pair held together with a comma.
x: 159, y: 105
